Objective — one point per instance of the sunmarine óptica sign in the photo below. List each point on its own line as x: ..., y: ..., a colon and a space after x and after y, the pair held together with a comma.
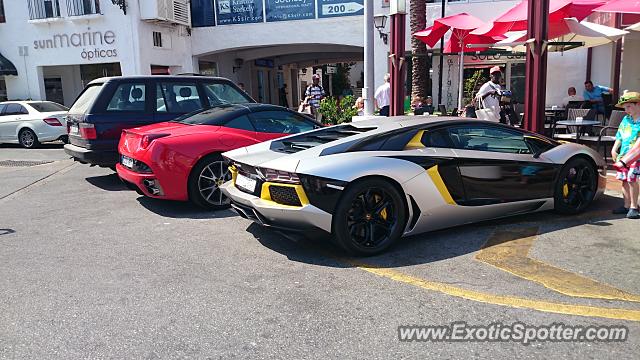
x: 94, y: 45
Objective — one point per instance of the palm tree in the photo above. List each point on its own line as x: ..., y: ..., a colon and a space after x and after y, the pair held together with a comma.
x: 417, y: 22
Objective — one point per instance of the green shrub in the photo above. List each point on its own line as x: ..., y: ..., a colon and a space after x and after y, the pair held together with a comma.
x: 334, y: 113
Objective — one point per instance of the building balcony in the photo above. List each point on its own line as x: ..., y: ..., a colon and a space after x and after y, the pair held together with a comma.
x: 83, y: 7
x: 50, y: 10
x: 43, y: 9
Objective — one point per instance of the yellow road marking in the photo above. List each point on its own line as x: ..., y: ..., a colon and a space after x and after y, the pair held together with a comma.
x: 509, y: 251
x: 545, y: 306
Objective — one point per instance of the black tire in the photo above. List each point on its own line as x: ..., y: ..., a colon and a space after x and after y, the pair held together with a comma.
x: 362, y: 224
x: 204, y: 182
x: 28, y: 139
x: 576, y: 186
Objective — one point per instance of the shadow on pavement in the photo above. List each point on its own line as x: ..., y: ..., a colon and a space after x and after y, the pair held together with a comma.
x: 6, y: 231
x: 181, y: 210
x: 431, y: 246
x: 51, y: 145
x: 109, y: 182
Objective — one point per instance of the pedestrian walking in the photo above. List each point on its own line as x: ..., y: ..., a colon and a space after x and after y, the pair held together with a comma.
x: 315, y: 93
x: 383, y: 96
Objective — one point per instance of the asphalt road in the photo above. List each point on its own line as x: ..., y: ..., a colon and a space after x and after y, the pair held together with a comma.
x: 89, y: 269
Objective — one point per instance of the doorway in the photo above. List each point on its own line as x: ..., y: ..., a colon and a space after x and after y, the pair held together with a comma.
x: 53, y: 90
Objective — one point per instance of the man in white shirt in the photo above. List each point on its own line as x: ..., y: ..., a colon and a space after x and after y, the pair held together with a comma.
x: 572, y: 97
x: 489, y: 93
x: 383, y: 96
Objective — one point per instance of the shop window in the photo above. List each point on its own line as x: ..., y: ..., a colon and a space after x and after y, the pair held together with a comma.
x: 177, y: 98
x: 202, y: 13
x: 3, y: 89
x: 128, y: 97
x: 2, y: 18
x: 208, y: 68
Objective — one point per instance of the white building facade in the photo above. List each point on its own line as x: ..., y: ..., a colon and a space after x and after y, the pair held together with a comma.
x: 57, y: 46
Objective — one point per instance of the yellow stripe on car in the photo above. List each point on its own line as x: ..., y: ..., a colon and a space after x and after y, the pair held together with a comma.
x: 439, y: 183
x: 415, y: 142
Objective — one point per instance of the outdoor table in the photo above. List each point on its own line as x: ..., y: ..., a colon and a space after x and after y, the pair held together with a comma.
x: 578, y: 124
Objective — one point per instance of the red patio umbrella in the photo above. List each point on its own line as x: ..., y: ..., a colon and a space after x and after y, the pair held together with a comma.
x: 461, y: 26
x: 621, y: 6
x: 515, y: 19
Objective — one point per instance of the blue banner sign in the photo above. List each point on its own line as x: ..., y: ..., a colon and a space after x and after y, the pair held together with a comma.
x: 283, y: 10
x: 332, y: 8
x: 239, y: 11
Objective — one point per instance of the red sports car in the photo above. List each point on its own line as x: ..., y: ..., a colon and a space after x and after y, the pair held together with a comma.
x: 180, y: 159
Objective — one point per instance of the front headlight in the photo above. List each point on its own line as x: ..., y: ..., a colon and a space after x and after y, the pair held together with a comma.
x: 271, y: 175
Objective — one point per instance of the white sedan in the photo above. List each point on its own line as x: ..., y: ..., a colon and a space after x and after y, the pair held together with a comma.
x: 29, y: 123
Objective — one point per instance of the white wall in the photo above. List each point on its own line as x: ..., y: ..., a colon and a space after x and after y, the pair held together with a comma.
x: 134, y: 53
x: 602, y: 65
x: 630, y: 73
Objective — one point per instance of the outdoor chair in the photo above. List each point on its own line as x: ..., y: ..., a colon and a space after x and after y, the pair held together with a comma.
x: 573, y: 114
x: 607, y: 133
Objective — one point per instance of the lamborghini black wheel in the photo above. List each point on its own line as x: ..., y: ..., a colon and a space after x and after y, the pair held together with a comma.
x: 369, y: 218
x: 576, y: 186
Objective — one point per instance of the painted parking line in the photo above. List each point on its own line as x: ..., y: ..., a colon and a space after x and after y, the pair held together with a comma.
x: 510, y: 301
x: 508, y: 250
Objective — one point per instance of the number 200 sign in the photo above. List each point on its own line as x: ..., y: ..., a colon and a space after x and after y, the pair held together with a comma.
x: 331, y: 8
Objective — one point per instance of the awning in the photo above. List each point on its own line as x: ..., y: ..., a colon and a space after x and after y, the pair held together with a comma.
x: 621, y: 6
x: 516, y: 18
x: 586, y: 33
x: 7, y: 67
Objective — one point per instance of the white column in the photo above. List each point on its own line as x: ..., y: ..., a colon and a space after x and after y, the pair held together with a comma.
x: 369, y: 85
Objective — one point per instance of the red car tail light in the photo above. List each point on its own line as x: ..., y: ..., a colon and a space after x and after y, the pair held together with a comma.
x: 148, y: 139
x: 52, y: 121
x: 271, y: 175
x: 88, y: 131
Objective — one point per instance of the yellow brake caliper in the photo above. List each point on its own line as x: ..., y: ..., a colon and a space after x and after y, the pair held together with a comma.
x: 565, y: 190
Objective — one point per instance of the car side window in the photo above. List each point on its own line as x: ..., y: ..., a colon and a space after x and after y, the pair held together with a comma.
x: 241, y: 122
x: 15, y: 109
x: 280, y: 122
x: 437, y: 139
x: 177, y: 98
x: 224, y: 93
x: 128, y: 97
x: 488, y: 138
x: 2, y: 107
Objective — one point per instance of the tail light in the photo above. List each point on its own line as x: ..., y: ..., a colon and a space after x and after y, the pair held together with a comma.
x: 88, y: 131
x: 52, y: 122
x: 271, y: 175
x: 148, y: 139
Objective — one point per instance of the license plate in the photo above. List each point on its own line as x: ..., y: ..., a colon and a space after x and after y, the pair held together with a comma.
x: 246, y: 183
x: 127, y: 162
x: 73, y: 129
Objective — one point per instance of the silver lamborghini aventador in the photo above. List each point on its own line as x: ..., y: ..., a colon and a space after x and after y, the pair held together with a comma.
x: 370, y: 183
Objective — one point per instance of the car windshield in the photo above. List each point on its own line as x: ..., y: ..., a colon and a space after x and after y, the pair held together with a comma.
x: 211, y: 116
x: 47, y: 106
x: 82, y: 103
